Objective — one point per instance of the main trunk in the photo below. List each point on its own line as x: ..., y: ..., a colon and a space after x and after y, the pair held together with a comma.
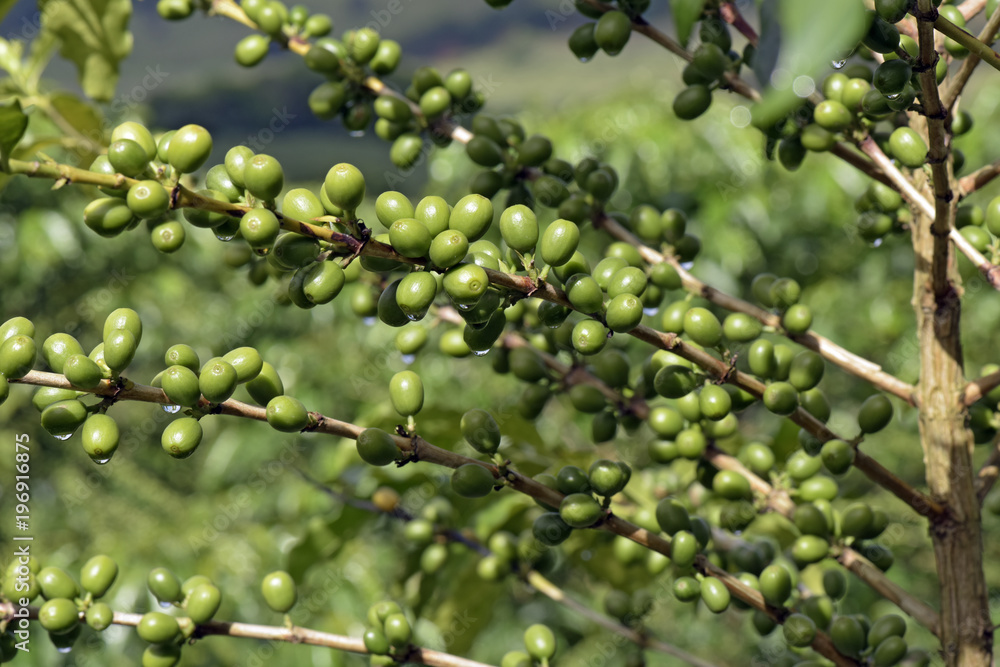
x: 966, y: 634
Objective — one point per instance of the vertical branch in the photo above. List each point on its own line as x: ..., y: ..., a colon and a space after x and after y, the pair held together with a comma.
x: 966, y: 632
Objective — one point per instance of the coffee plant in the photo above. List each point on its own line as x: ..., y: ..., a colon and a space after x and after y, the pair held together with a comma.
x: 573, y: 407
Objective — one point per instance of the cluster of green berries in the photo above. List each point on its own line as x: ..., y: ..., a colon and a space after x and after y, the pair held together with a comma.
x: 186, y: 381
x: 389, y: 632
x: 580, y: 507
x: 539, y: 645
x: 67, y: 603
x: 63, y: 411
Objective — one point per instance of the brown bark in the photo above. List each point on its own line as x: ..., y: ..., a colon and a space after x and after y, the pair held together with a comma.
x: 966, y: 633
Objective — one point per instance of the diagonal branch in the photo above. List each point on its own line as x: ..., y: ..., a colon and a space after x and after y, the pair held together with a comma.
x: 975, y: 47
x: 418, y: 449
x: 852, y: 363
x: 979, y: 387
x: 978, y: 179
x: 989, y: 271
x: 292, y: 635
x: 961, y: 77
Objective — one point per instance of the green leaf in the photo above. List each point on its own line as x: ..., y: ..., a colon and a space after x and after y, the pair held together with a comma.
x: 83, y: 117
x: 93, y: 35
x: 686, y: 14
x: 12, y: 125
x: 810, y: 36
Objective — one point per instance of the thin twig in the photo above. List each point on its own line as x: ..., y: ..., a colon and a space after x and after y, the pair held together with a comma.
x: 979, y: 387
x: 292, y: 635
x: 949, y: 29
x: 546, y: 587
x: 418, y: 449
x: 731, y: 14
x: 978, y: 179
x: 961, y: 77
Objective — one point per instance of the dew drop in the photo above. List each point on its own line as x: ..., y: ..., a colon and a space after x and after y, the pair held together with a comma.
x: 650, y: 311
x: 63, y: 437
x: 100, y: 461
x: 64, y: 649
x: 171, y: 409
x: 414, y: 318
x: 876, y: 243
x: 554, y: 326
x: 164, y: 604
x: 464, y: 306
x: 368, y: 321
x: 838, y: 64
x: 480, y: 353
x: 584, y: 60
x: 225, y: 237
x: 687, y: 266
x: 357, y: 133
x: 892, y: 97
x: 409, y: 358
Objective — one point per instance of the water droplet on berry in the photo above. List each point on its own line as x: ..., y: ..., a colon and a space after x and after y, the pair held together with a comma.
x: 838, y: 64
x: 101, y: 461
x: 687, y: 266
x: 165, y: 604
x: 63, y: 437
x: 171, y: 409
x: 64, y: 649
x: 650, y: 311
x: 368, y: 321
x: 225, y: 237
x: 464, y: 306
x: 876, y: 243
x: 409, y: 358
x: 584, y: 60
x: 480, y: 353
x: 892, y: 97
x: 413, y: 318
x: 357, y: 133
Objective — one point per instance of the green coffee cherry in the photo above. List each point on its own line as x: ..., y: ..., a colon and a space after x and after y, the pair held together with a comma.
x: 466, y: 284
x: 266, y: 385
x: 908, y: 147
x: 875, y: 414
x: 217, y: 381
x: 62, y: 418
x: 410, y: 237
x: 287, y: 414
x: 703, y: 327
x: 540, y: 642
x: 59, y: 616
x: 799, y: 630
x: 519, y: 228
x: 57, y: 348
x: 55, y: 583
x: 407, y: 393
x: 262, y: 176
x: 559, y: 242
x: 345, y: 186
x: 448, y: 248
x: 189, y: 148
x: 99, y: 616
x: 612, y: 32
x: 98, y: 574
x: 624, y: 312
x: 181, y: 437
x: 168, y: 237
x: 472, y: 481
x: 157, y: 628
x: 100, y: 437
x: 164, y: 585
x: 202, y: 603
x: 376, y: 447
x: 278, y: 589
x: 481, y: 431
x: 17, y: 356
x: 165, y: 655
x: 715, y: 595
